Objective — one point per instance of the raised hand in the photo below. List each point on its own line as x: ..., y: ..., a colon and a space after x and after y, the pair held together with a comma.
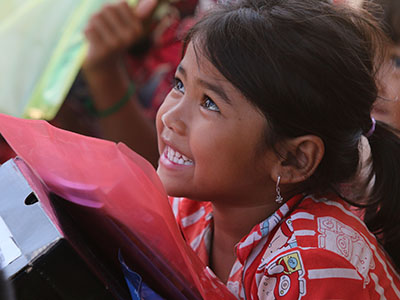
x: 112, y: 30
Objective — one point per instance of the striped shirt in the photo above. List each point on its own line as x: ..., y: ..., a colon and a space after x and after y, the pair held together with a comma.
x: 310, y: 248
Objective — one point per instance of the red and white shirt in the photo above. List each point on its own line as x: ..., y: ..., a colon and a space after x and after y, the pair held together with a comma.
x: 311, y: 248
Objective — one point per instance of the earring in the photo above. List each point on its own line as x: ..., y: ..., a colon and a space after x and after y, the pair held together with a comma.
x: 279, y: 198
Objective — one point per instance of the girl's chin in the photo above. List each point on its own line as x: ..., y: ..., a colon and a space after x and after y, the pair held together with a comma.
x: 172, y: 188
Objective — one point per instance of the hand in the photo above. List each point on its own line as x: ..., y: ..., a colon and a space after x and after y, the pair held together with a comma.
x: 112, y: 30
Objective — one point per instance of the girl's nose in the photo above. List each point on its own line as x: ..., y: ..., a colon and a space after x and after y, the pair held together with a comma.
x: 173, y: 120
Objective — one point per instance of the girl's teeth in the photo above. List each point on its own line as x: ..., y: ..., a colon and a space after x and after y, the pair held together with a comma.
x: 178, y: 158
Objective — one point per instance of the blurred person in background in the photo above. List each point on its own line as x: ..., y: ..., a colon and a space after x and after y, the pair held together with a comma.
x: 387, y: 13
x: 133, y: 54
x: 387, y: 106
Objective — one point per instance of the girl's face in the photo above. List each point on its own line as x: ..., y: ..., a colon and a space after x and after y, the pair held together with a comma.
x: 210, y: 138
x: 388, y: 110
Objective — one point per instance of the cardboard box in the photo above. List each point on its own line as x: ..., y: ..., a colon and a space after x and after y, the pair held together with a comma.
x: 41, y: 260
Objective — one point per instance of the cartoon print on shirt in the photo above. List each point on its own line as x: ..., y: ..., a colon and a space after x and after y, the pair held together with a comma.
x: 269, y: 223
x: 283, y: 278
x: 343, y: 240
x: 283, y: 239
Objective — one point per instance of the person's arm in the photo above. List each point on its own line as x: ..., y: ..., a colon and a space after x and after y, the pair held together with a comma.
x: 109, y: 33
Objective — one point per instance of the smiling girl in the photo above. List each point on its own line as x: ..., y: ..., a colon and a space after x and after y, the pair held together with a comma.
x: 263, y: 125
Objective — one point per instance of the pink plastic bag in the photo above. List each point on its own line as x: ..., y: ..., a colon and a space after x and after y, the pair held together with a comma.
x: 112, y: 179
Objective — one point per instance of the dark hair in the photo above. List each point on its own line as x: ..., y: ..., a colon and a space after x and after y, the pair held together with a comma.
x: 388, y: 15
x: 310, y: 67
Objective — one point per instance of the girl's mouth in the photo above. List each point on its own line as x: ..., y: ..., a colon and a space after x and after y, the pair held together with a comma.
x: 176, y: 157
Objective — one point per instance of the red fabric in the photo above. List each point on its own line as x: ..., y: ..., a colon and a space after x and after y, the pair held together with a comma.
x: 314, y: 248
x: 185, y: 7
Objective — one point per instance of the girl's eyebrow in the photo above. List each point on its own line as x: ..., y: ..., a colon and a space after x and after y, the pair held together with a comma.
x: 216, y: 89
x: 180, y: 69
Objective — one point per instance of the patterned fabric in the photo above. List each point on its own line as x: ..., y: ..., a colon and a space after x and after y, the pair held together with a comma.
x: 153, y: 72
x: 311, y: 248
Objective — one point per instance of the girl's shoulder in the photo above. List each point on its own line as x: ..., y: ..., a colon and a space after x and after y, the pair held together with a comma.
x: 329, y: 225
x: 322, y: 244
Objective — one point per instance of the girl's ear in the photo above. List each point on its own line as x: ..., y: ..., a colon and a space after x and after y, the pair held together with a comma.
x: 299, y: 158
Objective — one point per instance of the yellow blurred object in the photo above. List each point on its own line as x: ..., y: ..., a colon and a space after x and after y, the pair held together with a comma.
x: 43, y: 48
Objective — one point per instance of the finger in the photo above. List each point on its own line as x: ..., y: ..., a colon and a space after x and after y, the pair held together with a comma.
x: 124, y: 32
x: 126, y: 13
x: 96, y: 51
x: 112, y: 18
x: 145, y: 8
x: 105, y: 32
x: 94, y: 31
x: 92, y: 35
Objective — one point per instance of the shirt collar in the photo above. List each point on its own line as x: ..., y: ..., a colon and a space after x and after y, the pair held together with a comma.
x: 262, y: 230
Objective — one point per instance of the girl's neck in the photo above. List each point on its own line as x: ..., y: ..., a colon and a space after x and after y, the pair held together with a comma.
x: 231, y: 224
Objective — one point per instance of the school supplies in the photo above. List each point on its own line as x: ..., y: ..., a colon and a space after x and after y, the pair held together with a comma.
x: 36, y: 255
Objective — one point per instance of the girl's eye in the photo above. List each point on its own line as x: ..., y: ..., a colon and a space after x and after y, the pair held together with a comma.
x: 210, y: 105
x: 178, y: 85
x: 396, y: 61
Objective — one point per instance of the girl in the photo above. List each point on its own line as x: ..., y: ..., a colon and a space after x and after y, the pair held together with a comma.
x: 263, y: 125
